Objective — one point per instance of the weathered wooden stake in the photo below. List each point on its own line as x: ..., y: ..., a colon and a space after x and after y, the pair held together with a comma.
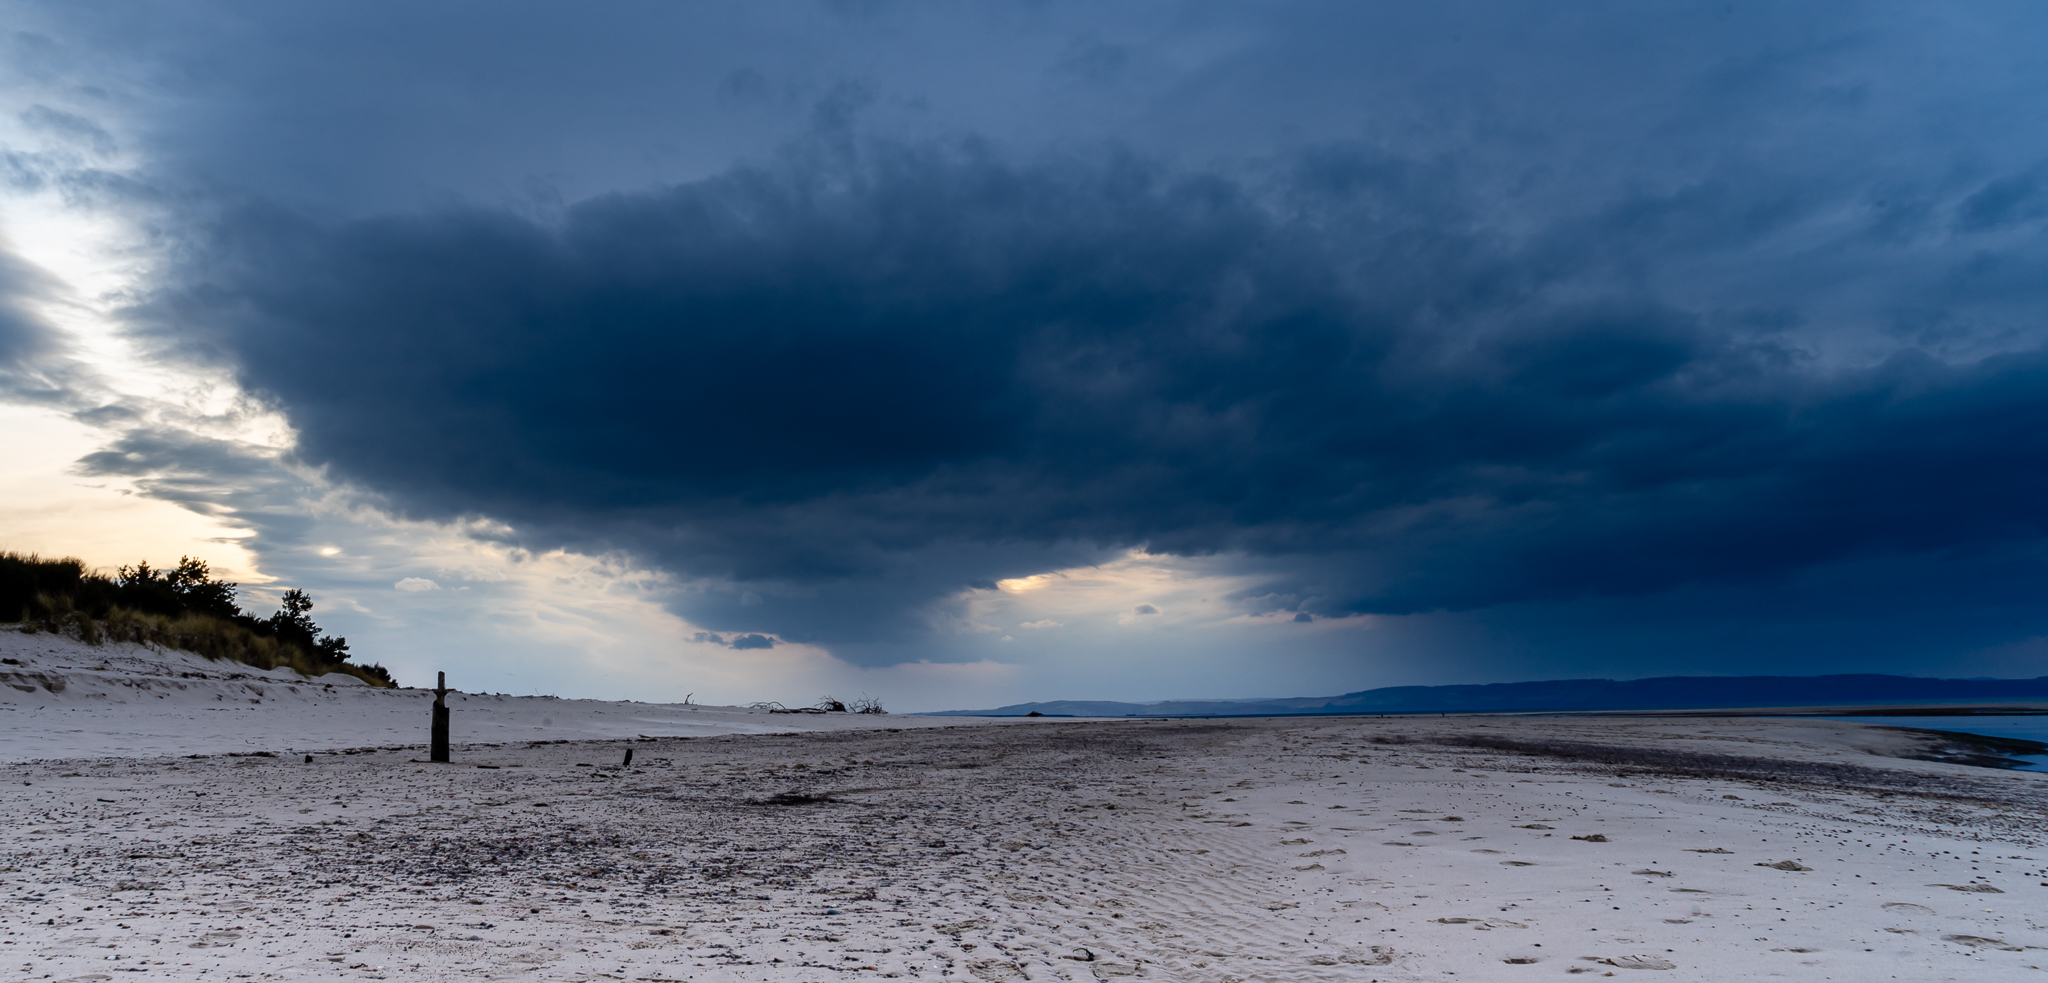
x: 440, y: 749
x: 629, y: 759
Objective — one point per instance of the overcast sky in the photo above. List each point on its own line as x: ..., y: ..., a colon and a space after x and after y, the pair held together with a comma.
x: 963, y: 354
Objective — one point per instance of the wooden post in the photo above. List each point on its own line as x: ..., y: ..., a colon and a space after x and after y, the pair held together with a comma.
x: 440, y: 748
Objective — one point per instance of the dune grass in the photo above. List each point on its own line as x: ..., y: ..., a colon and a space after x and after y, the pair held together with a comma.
x: 205, y: 635
x: 192, y: 612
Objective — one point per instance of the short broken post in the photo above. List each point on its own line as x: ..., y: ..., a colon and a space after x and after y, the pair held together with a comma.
x: 440, y: 748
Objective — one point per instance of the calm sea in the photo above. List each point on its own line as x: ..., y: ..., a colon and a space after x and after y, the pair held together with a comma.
x: 2028, y: 727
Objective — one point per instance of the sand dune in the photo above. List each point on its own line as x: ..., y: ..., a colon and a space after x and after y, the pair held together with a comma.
x: 60, y: 698
x: 1284, y: 850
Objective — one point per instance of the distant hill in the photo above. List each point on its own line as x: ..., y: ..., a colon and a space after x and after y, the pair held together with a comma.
x: 1664, y: 693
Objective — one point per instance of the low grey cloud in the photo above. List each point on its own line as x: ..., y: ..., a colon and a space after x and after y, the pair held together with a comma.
x: 69, y: 128
x: 34, y: 363
x: 747, y: 640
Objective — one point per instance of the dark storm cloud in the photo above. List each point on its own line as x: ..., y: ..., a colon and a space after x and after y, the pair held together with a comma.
x: 1470, y: 305
x: 859, y: 383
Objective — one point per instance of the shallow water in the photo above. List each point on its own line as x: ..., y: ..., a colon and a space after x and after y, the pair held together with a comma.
x: 2030, y: 727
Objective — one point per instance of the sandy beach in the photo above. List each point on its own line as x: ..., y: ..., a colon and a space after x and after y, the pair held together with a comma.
x: 799, y: 847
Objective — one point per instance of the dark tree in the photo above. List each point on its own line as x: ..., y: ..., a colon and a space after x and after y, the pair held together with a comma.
x: 187, y: 588
x: 332, y: 648
x: 293, y: 624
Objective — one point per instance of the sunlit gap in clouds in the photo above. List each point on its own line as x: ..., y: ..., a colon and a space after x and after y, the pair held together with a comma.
x: 1158, y: 626
x: 1173, y: 591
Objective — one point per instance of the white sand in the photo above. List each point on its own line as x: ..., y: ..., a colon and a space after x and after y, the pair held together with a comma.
x: 1316, y: 849
x: 60, y: 698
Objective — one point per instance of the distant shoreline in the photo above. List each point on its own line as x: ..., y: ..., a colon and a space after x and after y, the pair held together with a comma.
x: 1838, y: 693
x: 1939, y: 709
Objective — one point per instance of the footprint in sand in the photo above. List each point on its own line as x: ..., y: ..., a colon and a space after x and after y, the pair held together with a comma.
x: 997, y: 971
x: 1793, y: 865
x: 1482, y: 924
x: 1980, y: 942
x: 1634, y: 962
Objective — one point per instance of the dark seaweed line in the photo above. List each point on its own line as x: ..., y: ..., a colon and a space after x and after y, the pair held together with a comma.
x: 1702, y: 764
